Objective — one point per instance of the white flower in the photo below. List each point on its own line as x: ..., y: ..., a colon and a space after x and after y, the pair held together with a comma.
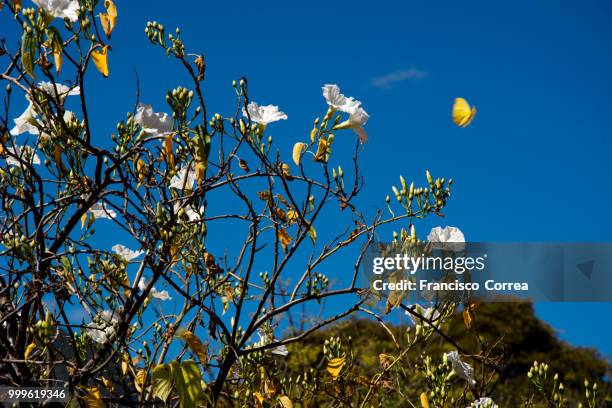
x: 152, y: 122
x: 484, y: 402
x: 102, y: 329
x: 461, y: 368
x: 263, y: 114
x: 264, y: 339
x: 358, y: 117
x: 333, y: 97
x: 429, y: 313
x: 154, y: 293
x: 100, y: 210
x: 62, y: 90
x: 190, y: 212
x: 60, y: 8
x: 448, y: 234
x: 27, y: 121
x: 126, y: 253
x: 185, y: 178
x: 25, y: 153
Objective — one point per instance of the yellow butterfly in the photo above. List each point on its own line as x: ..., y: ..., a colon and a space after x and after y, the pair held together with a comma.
x: 463, y: 114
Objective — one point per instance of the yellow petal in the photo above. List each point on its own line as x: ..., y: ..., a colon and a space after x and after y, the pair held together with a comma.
x: 93, y: 399
x: 297, y: 152
x: 335, y: 365
x: 100, y: 59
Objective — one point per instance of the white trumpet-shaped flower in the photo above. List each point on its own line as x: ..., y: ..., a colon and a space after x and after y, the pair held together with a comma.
x: 264, y: 340
x: 60, y: 8
x: 18, y: 154
x: 190, y: 212
x: 429, y: 313
x: 263, y: 114
x: 358, y: 117
x: 102, y: 329
x: 154, y: 293
x: 461, y: 368
x: 484, y: 402
x: 126, y: 253
x: 184, y: 179
x: 101, y: 210
x: 335, y: 99
x: 156, y: 123
x: 27, y: 121
x: 448, y: 234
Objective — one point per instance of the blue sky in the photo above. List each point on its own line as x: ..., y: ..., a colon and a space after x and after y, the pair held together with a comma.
x: 534, y: 164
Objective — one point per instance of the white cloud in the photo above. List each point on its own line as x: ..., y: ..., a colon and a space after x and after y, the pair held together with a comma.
x: 387, y: 81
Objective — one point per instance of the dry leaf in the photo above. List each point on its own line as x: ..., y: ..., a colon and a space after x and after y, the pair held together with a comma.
x: 297, y: 152
x: 167, y: 151
x: 140, y: 379
x: 100, y: 59
x: 125, y: 364
x: 292, y: 216
x: 58, y: 59
x: 199, y: 61
x: 243, y: 165
x: 195, y: 345
x: 286, y: 172
x: 259, y: 399
x: 93, y: 398
x: 285, y: 401
x: 467, y: 319
x: 385, y: 360
x: 424, y: 400
x: 108, y: 384
x: 312, y: 233
x: 108, y: 20
x: 200, y: 171
x: 321, y: 155
x: 29, y: 349
x: 284, y: 238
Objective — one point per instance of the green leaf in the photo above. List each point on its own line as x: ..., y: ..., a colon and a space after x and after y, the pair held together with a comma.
x: 162, y: 380
x: 188, y: 383
x: 28, y: 51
